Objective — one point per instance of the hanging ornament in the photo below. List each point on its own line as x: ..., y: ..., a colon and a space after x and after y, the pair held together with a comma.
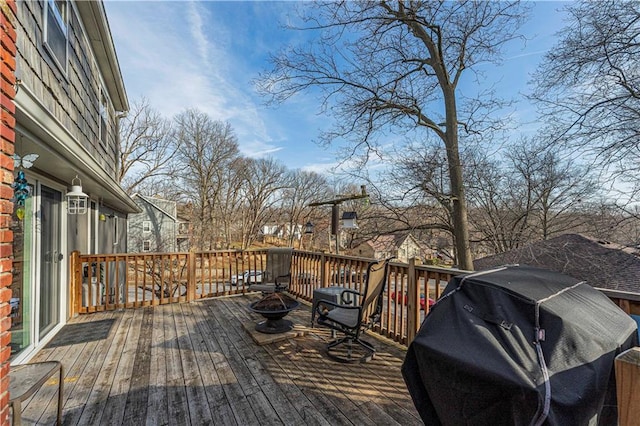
x: 24, y: 162
x: 21, y: 191
x: 21, y: 188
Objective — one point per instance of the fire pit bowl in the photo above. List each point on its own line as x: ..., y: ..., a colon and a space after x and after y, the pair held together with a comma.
x: 274, y: 307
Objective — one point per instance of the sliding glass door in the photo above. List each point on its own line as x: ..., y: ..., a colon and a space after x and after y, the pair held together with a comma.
x: 51, y: 258
x: 36, y: 294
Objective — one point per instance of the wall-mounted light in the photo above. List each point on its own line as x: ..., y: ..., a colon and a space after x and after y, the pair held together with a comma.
x: 103, y: 217
x: 76, y: 199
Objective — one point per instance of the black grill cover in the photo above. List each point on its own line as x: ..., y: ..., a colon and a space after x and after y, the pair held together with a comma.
x: 518, y: 346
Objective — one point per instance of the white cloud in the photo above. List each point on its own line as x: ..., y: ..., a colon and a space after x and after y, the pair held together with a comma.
x: 196, y: 15
x: 179, y: 58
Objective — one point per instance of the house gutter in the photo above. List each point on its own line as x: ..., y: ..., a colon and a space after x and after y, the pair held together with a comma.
x: 35, y: 120
x: 96, y: 26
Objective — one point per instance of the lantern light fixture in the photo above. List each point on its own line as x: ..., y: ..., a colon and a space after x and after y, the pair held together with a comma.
x: 308, y: 228
x: 349, y: 220
x: 76, y: 199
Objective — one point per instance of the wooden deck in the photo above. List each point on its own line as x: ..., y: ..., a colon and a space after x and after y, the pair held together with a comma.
x: 194, y: 363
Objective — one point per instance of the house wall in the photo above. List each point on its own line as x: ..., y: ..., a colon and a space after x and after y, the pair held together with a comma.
x: 58, y: 117
x: 7, y: 138
x: 166, y: 205
x: 409, y: 249
x: 162, y: 235
x: 365, y: 250
x: 114, y: 233
x: 73, y: 98
x: 77, y: 233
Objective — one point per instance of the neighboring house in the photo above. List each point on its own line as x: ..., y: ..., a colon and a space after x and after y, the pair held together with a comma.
x: 601, y: 264
x: 273, y: 230
x: 281, y: 233
x: 69, y: 98
x: 183, y: 235
x: 401, y: 246
x: 157, y: 228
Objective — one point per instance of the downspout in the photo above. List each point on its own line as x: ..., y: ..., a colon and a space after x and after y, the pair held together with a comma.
x: 119, y: 116
x: 118, y: 229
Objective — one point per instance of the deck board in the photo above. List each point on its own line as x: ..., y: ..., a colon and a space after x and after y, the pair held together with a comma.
x: 176, y: 389
x: 135, y: 409
x: 114, y: 409
x: 209, y: 362
x: 100, y: 389
x: 194, y: 363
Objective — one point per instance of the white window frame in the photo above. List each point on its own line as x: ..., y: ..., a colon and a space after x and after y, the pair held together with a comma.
x: 116, y: 230
x: 146, y: 226
x: 103, y: 116
x: 92, y: 226
x: 146, y: 245
x: 61, y: 21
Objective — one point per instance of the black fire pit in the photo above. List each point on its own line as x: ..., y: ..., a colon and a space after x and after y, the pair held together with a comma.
x: 274, y: 307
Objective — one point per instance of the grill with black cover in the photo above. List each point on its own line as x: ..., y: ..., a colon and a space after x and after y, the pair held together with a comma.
x: 518, y: 345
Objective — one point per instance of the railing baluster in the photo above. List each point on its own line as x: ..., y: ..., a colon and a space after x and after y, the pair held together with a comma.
x: 160, y: 278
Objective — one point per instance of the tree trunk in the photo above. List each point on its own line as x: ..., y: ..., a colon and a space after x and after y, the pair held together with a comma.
x: 458, y: 198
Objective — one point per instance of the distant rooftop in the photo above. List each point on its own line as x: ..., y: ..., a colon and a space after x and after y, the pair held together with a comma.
x: 600, y: 263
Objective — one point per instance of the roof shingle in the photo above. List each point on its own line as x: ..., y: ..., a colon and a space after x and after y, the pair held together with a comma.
x: 600, y: 263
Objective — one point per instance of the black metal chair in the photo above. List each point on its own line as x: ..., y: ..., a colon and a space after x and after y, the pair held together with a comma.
x: 277, y: 275
x: 355, y: 313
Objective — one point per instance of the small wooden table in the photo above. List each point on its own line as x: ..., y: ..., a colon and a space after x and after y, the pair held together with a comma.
x: 26, y: 379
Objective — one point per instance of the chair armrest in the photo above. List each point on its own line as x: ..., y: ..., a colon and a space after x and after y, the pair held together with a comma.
x: 346, y: 292
x: 323, y: 303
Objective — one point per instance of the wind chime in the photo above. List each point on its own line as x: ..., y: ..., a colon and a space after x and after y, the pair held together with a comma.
x: 21, y: 188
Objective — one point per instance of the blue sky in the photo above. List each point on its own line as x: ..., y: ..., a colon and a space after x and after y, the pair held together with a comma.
x: 204, y: 55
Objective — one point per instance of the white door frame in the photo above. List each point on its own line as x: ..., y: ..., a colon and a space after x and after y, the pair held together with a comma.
x: 37, y: 343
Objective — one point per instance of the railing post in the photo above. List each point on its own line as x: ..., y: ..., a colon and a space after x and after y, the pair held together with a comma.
x: 627, y: 366
x: 624, y: 305
x: 75, y: 281
x: 191, y: 276
x: 324, y: 271
x: 413, y: 303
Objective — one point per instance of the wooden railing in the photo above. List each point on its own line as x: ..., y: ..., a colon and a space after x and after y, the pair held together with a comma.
x: 115, y: 281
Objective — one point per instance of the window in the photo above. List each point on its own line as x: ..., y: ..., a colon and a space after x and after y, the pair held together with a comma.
x: 116, y: 230
x: 104, y: 118
x: 146, y: 245
x: 146, y: 226
x: 93, y: 228
x: 55, y: 35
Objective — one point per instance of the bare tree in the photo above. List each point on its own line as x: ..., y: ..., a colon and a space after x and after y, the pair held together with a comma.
x: 231, y: 202
x: 534, y: 194
x: 588, y: 86
x: 264, y: 181
x: 559, y: 187
x: 420, y: 178
x: 145, y: 148
x: 502, y: 201
x: 301, y: 189
x: 397, y: 65
x: 205, y: 149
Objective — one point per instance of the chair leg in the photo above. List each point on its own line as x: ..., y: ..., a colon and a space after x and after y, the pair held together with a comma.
x: 349, y: 341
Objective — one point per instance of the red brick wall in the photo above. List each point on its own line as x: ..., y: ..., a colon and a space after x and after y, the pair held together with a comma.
x: 7, y: 139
